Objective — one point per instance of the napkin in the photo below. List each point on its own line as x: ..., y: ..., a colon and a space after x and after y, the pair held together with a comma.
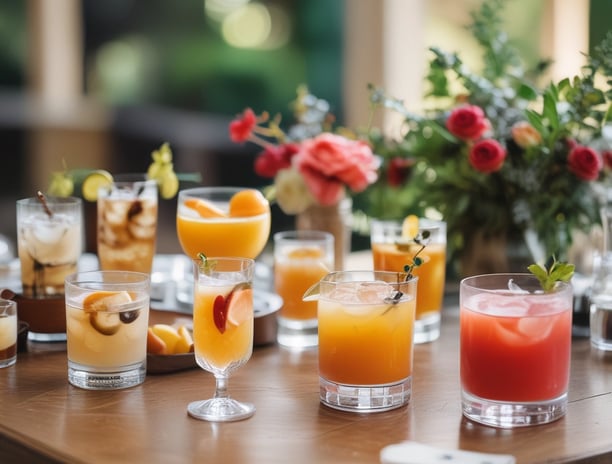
x: 410, y: 452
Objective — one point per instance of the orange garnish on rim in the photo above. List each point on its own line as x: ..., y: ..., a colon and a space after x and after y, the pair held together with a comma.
x: 204, y: 208
x: 249, y: 202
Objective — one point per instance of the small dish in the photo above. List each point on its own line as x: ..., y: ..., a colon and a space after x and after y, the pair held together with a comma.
x: 165, y: 364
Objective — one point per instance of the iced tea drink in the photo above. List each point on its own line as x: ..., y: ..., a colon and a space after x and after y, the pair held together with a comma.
x: 49, y: 244
x: 8, y: 333
x: 515, y: 349
x: 301, y: 258
x: 366, y: 321
x: 107, y: 317
x: 392, y: 250
x: 222, y: 221
x: 127, y: 224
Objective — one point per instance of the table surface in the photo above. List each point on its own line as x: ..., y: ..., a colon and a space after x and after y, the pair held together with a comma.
x: 43, y: 418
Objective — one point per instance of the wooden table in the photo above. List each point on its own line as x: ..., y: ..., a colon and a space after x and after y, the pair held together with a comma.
x: 43, y: 418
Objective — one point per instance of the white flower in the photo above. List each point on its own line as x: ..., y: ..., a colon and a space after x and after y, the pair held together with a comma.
x: 292, y: 195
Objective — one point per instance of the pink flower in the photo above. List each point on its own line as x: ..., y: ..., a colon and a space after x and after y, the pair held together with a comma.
x: 584, y: 162
x: 399, y: 170
x: 606, y: 155
x: 525, y: 135
x: 487, y: 156
x: 274, y: 158
x: 329, y: 161
x: 241, y: 128
x: 467, y: 122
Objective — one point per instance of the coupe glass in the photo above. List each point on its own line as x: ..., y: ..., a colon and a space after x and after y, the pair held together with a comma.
x: 222, y: 331
x: 222, y: 221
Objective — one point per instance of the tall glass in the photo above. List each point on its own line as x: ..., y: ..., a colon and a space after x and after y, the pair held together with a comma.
x: 8, y: 333
x: 515, y: 349
x: 222, y: 221
x: 391, y: 251
x: 222, y: 331
x: 127, y: 224
x: 301, y: 258
x: 365, y: 339
x: 107, y: 317
x: 49, y: 243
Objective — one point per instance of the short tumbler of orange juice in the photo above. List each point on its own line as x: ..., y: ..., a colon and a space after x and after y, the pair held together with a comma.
x: 393, y: 247
x: 301, y: 258
x: 365, y: 339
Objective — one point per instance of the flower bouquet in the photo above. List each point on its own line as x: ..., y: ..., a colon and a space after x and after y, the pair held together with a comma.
x: 500, y: 159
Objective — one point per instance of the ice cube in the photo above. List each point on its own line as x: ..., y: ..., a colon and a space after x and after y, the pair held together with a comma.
x: 535, y: 328
x: 374, y: 292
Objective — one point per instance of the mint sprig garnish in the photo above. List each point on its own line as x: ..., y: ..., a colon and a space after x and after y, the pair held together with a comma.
x: 558, y: 272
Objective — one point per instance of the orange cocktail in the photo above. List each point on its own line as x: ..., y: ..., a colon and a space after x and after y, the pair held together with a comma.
x: 365, y: 339
x: 392, y: 250
x: 515, y: 349
x: 222, y: 221
x: 222, y: 331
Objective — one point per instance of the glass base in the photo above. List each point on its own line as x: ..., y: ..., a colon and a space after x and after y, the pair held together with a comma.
x: 427, y: 329
x: 8, y: 362
x: 297, y: 334
x: 91, y: 379
x: 358, y: 398
x: 220, y: 410
x: 46, y: 337
x: 512, y: 414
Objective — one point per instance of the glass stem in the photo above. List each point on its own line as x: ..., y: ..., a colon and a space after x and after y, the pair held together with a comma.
x: 221, y: 386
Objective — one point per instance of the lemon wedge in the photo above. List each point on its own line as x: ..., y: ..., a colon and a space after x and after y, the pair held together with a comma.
x: 93, y: 182
x: 410, y: 227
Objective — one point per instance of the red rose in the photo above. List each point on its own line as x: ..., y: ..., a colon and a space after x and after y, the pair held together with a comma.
x: 399, y: 170
x: 330, y: 161
x: 487, y: 156
x: 241, y: 128
x: 467, y: 122
x: 274, y: 158
x: 584, y: 162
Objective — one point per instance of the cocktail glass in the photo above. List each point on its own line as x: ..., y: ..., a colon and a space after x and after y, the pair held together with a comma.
x: 366, y: 323
x: 8, y: 333
x: 107, y: 316
x: 392, y: 250
x: 49, y: 243
x: 301, y: 258
x: 515, y: 349
x: 222, y: 221
x: 222, y: 331
x: 127, y: 224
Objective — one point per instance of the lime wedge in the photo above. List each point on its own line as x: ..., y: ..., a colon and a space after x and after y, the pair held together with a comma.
x: 168, y: 185
x: 410, y: 227
x: 312, y: 294
x: 93, y: 182
x: 61, y: 185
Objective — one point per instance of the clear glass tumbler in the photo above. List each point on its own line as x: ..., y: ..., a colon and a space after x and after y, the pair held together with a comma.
x: 515, y: 349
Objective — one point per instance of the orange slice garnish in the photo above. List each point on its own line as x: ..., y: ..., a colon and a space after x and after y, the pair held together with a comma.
x: 240, y: 306
x: 249, y: 202
x: 103, y: 308
x: 410, y: 227
x: 204, y: 208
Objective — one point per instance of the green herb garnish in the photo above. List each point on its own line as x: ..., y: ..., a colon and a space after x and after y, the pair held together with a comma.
x: 206, y: 265
x: 558, y: 272
x: 420, y: 239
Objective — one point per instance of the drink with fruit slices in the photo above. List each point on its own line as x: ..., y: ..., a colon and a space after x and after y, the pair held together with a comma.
x: 515, y: 349
x: 392, y: 249
x: 8, y: 333
x: 127, y: 223
x: 107, y: 315
x: 301, y: 258
x: 222, y: 221
x: 365, y: 339
x: 222, y: 330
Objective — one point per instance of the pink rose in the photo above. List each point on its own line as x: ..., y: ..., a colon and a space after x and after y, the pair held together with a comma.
x: 241, y: 128
x: 274, y: 158
x: 487, y: 156
x: 467, y: 122
x: 525, y: 135
x: 584, y: 162
x: 328, y: 162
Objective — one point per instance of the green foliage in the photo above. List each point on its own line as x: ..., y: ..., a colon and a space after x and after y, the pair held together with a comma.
x: 558, y: 272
